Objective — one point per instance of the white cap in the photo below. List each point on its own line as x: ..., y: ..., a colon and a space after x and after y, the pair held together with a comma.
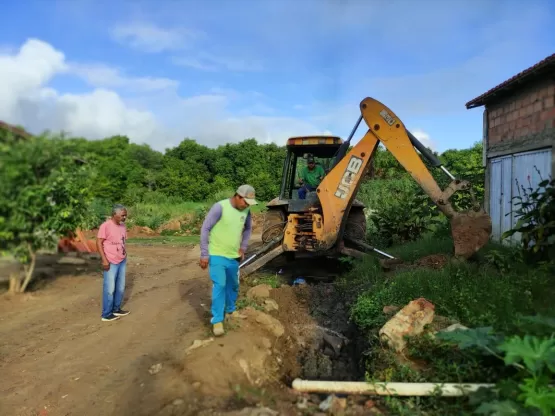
x: 247, y: 192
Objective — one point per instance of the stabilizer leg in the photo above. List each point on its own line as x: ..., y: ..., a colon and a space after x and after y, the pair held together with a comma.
x: 257, y: 264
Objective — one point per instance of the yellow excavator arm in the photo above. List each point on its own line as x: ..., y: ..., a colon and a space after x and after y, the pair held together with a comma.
x: 471, y: 229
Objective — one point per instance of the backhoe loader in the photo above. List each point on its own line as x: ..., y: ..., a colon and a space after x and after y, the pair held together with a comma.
x: 330, y: 221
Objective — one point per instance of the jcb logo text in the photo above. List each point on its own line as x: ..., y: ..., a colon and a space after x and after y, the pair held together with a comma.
x: 348, y: 176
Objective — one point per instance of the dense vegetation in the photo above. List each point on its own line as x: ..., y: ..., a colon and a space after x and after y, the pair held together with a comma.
x: 55, y: 184
x: 51, y: 185
x: 136, y: 174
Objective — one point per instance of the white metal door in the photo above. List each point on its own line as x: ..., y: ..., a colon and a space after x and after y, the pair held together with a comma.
x: 508, y: 174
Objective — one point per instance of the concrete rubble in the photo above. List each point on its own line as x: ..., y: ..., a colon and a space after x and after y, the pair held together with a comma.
x: 409, y: 321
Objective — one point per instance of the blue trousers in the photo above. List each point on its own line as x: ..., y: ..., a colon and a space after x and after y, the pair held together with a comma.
x: 113, y: 287
x: 224, y: 273
x: 303, y: 190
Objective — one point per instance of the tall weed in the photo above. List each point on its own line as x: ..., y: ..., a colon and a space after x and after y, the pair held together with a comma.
x: 398, y: 211
x: 535, y: 214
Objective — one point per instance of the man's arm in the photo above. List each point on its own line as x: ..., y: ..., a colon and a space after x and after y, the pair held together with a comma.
x: 322, y: 172
x: 100, y: 237
x: 247, y: 230
x: 100, y: 248
x: 211, y: 219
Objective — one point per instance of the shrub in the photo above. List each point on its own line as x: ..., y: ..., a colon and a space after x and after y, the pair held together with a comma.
x: 194, y: 225
x: 399, y: 211
x: 97, y: 212
x: 535, y: 215
x: 220, y: 195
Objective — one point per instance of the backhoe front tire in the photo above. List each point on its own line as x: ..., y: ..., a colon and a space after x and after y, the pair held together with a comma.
x: 273, y: 225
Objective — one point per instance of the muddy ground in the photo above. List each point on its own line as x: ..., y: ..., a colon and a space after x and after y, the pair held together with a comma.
x: 57, y: 358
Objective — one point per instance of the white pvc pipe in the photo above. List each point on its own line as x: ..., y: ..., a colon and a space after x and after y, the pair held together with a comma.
x: 387, y: 389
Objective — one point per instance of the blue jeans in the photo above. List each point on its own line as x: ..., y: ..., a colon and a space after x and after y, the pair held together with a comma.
x: 224, y: 273
x: 113, y: 287
x: 303, y: 190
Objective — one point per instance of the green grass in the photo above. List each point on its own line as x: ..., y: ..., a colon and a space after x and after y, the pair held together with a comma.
x: 173, y: 240
x: 429, y: 244
x: 492, y: 290
x: 495, y: 289
x: 260, y: 278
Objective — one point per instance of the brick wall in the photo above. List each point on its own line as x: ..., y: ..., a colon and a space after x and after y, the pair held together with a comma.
x: 530, y: 110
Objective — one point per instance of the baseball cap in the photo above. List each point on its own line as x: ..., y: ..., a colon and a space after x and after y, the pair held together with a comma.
x: 247, y: 192
x: 310, y: 159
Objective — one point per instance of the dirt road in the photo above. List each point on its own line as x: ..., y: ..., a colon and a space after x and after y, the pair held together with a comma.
x: 58, y: 358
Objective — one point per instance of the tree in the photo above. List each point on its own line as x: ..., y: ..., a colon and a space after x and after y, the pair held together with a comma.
x: 45, y: 194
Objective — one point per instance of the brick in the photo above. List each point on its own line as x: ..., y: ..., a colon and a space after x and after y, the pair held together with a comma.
x: 549, y: 102
x: 548, y: 114
x: 538, y: 106
x: 493, y: 137
x: 551, y: 90
x: 530, y: 109
x: 533, y: 97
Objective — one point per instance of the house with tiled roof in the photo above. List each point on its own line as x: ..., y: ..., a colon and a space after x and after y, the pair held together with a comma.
x: 519, y: 138
x: 17, y: 132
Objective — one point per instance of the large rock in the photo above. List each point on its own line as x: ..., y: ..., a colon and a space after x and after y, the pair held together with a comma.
x: 259, y: 292
x: 270, y: 323
x: 270, y: 305
x: 409, y: 321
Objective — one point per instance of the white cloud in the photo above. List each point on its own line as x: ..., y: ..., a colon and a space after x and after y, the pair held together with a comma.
x: 424, y: 138
x: 102, y: 113
x: 100, y: 75
x: 205, y: 61
x: 148, y: 37
x: 27, y: 98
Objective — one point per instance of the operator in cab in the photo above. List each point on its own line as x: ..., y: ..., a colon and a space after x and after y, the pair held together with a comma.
x: 311, y: 176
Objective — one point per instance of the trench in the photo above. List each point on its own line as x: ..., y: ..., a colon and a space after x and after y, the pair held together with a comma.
x: 336, y: 351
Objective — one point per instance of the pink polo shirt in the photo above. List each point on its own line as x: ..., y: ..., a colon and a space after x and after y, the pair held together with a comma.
x: 114, y: 243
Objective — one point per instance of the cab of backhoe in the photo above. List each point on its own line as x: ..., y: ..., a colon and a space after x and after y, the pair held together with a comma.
x: 321, y: 148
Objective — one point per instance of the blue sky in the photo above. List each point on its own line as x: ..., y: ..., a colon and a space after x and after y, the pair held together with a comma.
x: 221, y: 71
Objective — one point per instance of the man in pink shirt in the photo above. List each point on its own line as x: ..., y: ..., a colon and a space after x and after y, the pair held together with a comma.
x: 110, y: 242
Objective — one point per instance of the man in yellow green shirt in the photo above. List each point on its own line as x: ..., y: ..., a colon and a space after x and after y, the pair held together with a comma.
x: 224, y: 237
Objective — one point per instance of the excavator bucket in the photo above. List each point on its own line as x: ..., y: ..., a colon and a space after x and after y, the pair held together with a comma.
x: 471, y: 231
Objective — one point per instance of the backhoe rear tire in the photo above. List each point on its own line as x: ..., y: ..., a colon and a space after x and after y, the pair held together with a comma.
x: 355, y: 229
